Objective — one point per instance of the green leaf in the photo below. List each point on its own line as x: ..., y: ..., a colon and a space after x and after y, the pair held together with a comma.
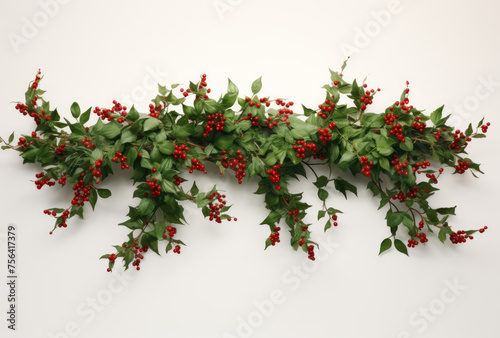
x: 257, y: 85
x: 395, y: 218
x: 343, y: 186
x: 104, y: 193
x: 75, y: 110
x: 166, y: 147
x: 194, y: 189
x: 272, y: 218
x: 321, y: 182
x: 321, y: 214
x: 436, y: 115
x: 146, y: 206
x: 11, y: 137
x: 151, y: 123
x: 334, y: 152
x: 400, y: 246
x: 346, y: 159
x: 385, y: 245
x: 110, y: 130
x: 442, y: 235
x: 133, y: 114
x: 85, y: 116
x: 307, y: 111
x: 322, y: 194
x: 328, y: 224
x: 160, y: 229
x: 93, y: 197
x: 128, y: 136
x: 223, y: 142
x: 407, y: 145
x: 468, y: 131
x: 446, y: 211
x: 132, y: 225
x: 231, y: 87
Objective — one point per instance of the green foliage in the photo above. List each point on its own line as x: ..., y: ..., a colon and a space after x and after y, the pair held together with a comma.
x: 262, y: 138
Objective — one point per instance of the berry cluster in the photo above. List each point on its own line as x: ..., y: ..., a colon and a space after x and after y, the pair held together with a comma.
x: 23, y: 143
x: 216, y: 207
x: 275, y: 236
x: 419, y: 165
x: 180, y: 151
x: 412, y: 193
x: 419, y: 126
x: 96, y: 172
x: 178, y: 180
x: 462, y: 166
x: 404, y: 103
x: 433, y: 178
x: 397, y: 129
x: 253, y: 119
x: 154, y: 111
x: 138, y: 257
x: 460, y: 237
x: 196, y: 165
x: 61, y: 149
x: 237, y: 163
x: 390, y: 118
x: 203, y: 84
x: 399, y: 166
x: 50, y: 213
x: 87, y: 143
x: 123, y: 160
x: 334, y: 219
x: 483, y: 229
x: 82, y: 192
x: 301, y: 146
x: 185, y: 92
x: 284, y: 111
x: 484, y: 127
x: 177, y: 249
x: 217, y: 120
x: 413, y: 242
x: 275, y: 176
x: 324, y: 135
x: 365, y: 166
x: 457, y: 136
x: 310, y: 252
x: 155, y: 188
x: 295, y: 214
x: 367, y: 99
x: 62, y: 180
x: 326, y: 108
x: 23, y: 109
x: 271, y: 124
x: 41, y: 182
x: 171, y: 232
x: 38, y: 77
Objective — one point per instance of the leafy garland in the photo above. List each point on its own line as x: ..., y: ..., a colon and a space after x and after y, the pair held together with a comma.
x: 262, y: 137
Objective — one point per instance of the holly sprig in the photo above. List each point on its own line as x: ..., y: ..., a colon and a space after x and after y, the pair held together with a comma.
x: 397, y: 154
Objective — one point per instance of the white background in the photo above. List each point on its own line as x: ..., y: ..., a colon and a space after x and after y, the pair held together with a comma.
x: 96, y: 51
